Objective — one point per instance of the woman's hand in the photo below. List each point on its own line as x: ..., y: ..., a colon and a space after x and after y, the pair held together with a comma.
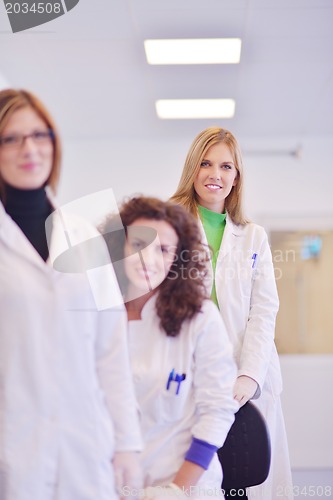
x: 127, y: 472
x: 244, y: 389
x: 184, y: 481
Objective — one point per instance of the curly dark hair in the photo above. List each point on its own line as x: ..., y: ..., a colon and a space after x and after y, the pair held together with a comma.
x: 181, y: 294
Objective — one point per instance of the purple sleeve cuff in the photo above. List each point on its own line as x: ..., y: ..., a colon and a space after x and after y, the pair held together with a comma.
x: 201, y: 453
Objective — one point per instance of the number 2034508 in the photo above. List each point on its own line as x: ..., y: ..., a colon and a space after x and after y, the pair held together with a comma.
x: 304, y: 491
x: 34, y: 8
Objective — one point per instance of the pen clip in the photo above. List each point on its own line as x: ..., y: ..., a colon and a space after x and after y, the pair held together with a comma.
x: 170, y: 379
x: 179, y: 379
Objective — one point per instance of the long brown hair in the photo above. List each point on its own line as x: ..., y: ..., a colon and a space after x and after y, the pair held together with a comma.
x: 181, y: 294
x: 12, y: 100
x: 186, y: 195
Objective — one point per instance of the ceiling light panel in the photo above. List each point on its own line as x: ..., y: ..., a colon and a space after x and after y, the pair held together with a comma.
x: 193, y: 51
x: 195, y: 108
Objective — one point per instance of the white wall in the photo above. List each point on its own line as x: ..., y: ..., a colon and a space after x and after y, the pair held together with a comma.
x: 308, y: 409
x: 276, y: 185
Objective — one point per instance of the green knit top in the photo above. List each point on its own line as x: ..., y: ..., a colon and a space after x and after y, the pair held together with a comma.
x: 214, y: 224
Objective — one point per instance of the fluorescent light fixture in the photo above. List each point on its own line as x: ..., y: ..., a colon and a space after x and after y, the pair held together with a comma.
x: 193, y: 51
x: 195, y: 108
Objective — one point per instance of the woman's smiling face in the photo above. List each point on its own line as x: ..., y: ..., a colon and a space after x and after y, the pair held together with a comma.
x: 27, y: 165
x: 216, y: 177
x: 149, y: 254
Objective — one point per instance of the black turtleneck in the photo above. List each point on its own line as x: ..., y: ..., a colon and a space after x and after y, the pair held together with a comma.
x: 29, y: 208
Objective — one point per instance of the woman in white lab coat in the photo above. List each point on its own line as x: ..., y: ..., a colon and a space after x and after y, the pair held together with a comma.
x: 242, y: 284
x: 67, y: 406
x: 180, y: 354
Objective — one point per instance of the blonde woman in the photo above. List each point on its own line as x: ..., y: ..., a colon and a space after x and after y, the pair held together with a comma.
x: 242, y: 284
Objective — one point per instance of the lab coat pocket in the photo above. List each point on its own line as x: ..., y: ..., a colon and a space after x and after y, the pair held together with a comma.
x: 172, y: 405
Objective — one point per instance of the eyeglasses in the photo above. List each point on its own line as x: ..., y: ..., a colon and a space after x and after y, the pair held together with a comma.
x: 17, y: 140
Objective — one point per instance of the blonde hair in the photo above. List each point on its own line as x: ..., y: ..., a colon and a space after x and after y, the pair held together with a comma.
x: 12, y: 100
x: 186, y: 195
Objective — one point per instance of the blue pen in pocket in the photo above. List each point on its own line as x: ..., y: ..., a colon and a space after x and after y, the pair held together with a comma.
x: 175, y: 377
x: 254, y: 258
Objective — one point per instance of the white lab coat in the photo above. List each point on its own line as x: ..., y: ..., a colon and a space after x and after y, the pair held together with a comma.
x: 248, y: 301
x: 64, y: 369
x: 204, y: 407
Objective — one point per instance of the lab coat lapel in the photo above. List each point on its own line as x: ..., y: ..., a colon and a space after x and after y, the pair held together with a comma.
x: 230, y: 239
x: 209, y: 277
x: 61, y: 235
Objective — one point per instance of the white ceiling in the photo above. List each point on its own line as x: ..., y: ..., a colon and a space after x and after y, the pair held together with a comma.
x: 89, y: 67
